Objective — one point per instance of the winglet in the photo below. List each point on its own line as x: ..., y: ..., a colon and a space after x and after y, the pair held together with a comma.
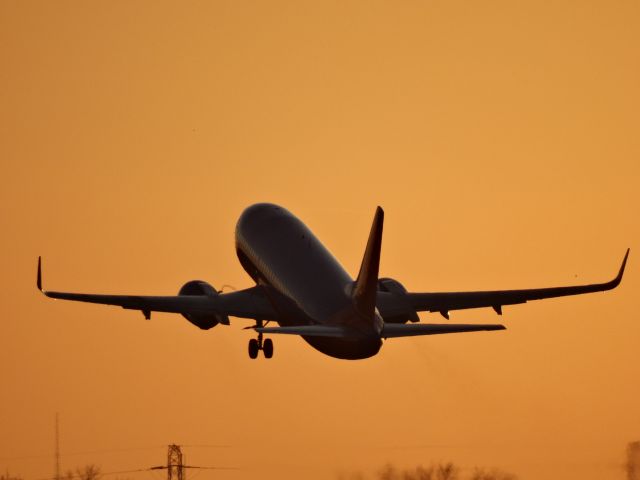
x: 366, y: 285
x: 39, y: 279
x: 616, y: 281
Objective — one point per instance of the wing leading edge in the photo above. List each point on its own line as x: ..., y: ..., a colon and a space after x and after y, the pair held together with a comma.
x: 445, y: 301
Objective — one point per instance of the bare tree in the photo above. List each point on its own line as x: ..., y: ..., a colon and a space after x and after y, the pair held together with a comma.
x: 482, y: 474
x: 446, y: 471
x: 88, y: 472
x: 440, y: 471
x: 10, y: 477
x: 420, y: 473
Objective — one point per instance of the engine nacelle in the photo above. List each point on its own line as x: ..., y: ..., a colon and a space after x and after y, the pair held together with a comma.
x: 204, y: 321
x: 395, y: 288
x: 391, y: 285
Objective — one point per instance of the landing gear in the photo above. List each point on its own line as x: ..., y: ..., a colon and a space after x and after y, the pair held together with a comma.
x: 257, y: 344
x: 253, y: 348
x: 267, y: 348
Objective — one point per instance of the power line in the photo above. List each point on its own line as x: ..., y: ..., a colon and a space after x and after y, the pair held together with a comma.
x: 175, y: 466
x: 75, y: 475
x: 206, y: 446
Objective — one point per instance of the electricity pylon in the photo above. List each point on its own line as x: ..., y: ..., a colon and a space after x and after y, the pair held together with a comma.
x: 57, y: 453
x: 175, y: 464
x: 175, y: 467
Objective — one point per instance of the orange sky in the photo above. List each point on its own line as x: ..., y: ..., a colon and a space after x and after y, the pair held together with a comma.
x: 501, y: 138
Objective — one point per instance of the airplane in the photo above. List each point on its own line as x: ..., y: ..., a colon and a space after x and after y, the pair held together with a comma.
x: 300, y: 286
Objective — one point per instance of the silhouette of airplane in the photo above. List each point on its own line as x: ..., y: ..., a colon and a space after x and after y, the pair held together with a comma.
x: 302, y: 287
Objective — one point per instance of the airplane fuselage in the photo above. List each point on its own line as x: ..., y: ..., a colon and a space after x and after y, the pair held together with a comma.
x: 304, y: 282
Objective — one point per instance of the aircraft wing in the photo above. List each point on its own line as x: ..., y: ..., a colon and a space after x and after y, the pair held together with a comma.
x: 248, y: 303
x: 446, y: 301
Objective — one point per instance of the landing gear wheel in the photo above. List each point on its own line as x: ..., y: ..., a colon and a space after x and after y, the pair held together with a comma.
x: 253, y: 348
x: 267, y: 348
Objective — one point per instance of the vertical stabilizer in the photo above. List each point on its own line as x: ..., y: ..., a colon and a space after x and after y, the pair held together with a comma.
x: 366, y: 286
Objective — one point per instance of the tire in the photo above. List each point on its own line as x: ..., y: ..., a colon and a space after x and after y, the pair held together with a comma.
x: 267, y: 348
x: 253, y: 348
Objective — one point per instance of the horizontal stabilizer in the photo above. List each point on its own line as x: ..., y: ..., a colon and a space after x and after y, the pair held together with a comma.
x: 307, y: 330
x: 392, y: 330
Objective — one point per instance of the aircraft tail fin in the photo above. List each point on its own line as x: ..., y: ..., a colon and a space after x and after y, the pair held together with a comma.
x: 366, y: 285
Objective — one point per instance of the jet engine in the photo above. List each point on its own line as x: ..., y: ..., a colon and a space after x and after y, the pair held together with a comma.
x: 203, y: 321
x: 391, y: 285
x: 395, y: 288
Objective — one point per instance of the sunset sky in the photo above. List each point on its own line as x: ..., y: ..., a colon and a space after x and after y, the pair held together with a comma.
x: 501, y: 138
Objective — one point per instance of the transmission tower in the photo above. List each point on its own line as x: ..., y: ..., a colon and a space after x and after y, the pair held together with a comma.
x: 175, y: 465
x: 633, y: 461
x: 57, y: 476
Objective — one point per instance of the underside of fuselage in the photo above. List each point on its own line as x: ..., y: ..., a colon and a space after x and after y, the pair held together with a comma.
x: 346, y: 349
